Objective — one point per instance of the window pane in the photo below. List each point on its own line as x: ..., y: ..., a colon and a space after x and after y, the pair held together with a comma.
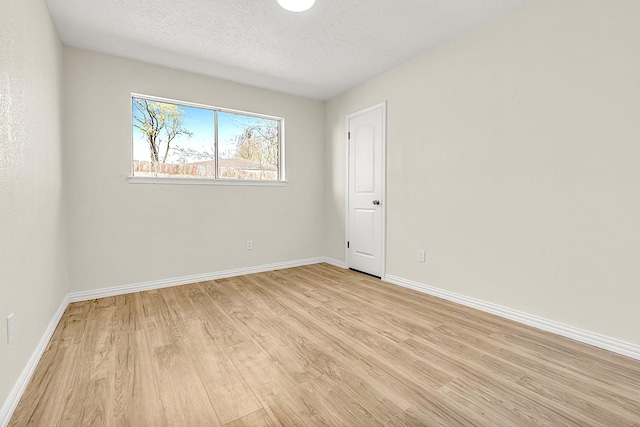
x: 174, y: 139
x: 248, y: 147
x: 171, y: 140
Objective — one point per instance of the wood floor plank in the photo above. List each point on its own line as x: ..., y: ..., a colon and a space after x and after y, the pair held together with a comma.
x: 264, y: 375
x: 259, y: 418
x: 156, y: 319
x: 191, y: 406
x: 230, y: 395
x: 489, y: 410
x: 475, y: 373
x: 578, y: 400
x: 620, y: 376
x: 298, y: 407
x: 136, y: 395
x: 522, y: 402
x: 412, y: 418
x: 316, y: 345
x: 128, y: 315
x: 509, y: 362
x: 99, y: 344
x: 93, y: 405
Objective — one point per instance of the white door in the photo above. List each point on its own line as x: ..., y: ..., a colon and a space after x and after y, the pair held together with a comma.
x: 366, y: 190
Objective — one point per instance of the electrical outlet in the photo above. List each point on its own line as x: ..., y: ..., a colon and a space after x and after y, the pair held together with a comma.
x: 249, y: 245
x: 421, y: 255
x: 11, y: 327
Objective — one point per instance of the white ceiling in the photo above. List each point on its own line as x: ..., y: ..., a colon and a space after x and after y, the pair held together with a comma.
x: 320, y: 53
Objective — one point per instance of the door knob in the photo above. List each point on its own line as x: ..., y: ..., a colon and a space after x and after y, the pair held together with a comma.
x: 376, y: 202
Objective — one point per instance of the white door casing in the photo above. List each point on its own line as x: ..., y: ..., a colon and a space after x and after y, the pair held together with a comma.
x: 366, y: 184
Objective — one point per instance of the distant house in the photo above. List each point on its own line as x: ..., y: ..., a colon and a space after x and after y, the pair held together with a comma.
x: 236, y: 167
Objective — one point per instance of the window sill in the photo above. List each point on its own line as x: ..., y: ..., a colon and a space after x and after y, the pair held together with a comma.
x: 204, y: 181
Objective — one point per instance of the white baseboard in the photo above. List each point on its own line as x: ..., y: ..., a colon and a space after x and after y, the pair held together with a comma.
x: 18, y: 389
x: 611, y: 344
x: 335, y: 262
x: 166, y: 283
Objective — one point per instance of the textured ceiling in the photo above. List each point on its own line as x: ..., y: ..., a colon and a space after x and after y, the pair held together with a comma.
x: 320, y: 53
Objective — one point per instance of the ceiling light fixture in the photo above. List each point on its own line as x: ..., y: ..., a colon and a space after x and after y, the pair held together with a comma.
x: 296, y: 5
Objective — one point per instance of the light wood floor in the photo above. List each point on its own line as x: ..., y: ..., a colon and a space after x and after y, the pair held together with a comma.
x: 316, y: 345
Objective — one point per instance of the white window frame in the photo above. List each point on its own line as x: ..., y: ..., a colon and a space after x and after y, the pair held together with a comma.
x: 281, y: 182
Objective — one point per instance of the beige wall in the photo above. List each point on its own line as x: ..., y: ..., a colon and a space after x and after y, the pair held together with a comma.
x: 33, y: 263
x: 122, y: 233
x: 514, y: 160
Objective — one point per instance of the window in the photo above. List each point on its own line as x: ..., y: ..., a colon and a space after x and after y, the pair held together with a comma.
x: 174, y: 139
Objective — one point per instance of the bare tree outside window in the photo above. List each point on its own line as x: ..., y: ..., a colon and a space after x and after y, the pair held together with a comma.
x: 259, y: 142
x: 254, y: 140
x: 160, y: 124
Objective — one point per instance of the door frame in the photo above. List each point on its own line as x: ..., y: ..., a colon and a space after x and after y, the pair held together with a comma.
x: 383, y: 190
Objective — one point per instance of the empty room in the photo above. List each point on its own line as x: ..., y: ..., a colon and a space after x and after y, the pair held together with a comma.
x: 329, y: 212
